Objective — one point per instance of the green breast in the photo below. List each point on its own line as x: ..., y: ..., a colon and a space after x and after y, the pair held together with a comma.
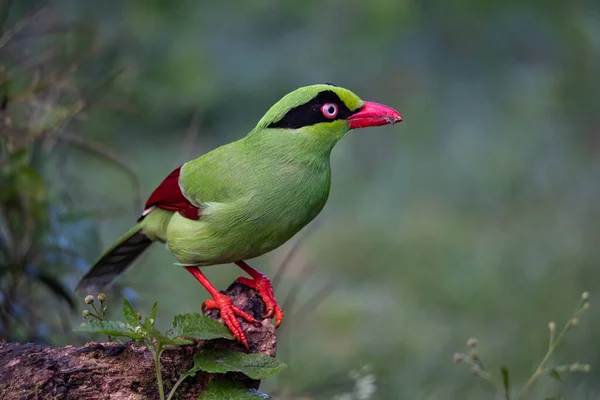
x: 292, y: 197
x: 251, y: 204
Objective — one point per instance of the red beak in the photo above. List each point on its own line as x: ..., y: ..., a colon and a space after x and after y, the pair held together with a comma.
x: 374, y: 114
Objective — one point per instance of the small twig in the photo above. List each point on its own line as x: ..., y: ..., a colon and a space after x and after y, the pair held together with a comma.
x: 6, y: 236
x: 478, y: 369
x: 191, y: 135
x: 105, y: 153
x: 97, y: 315
x: 287, y: 328
x: 291, y: 253
x: 26, y: 243
x: 19, y: 26
x: 94, y: 94
x: 5, y: 10
x: 314, y: 301
x: 31, y: 88
x: 55, y: 29
x: 305, y: 271
x: 554, y: 343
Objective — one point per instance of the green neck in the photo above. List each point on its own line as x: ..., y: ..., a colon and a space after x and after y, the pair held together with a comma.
x: 312, y: 143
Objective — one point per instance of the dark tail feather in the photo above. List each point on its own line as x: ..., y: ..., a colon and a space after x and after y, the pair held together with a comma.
x: 114, y: 261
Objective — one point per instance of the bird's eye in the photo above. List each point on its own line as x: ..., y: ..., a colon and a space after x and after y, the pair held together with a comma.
x: 329, y: 110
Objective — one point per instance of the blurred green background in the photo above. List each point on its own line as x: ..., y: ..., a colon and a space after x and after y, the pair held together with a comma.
x: 477, y: 216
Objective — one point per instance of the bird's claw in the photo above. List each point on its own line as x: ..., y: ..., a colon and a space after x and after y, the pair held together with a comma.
x: 228, y: 314
x: 263, y: 286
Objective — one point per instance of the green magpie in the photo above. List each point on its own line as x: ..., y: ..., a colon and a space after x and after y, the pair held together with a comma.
x: 248, y: 197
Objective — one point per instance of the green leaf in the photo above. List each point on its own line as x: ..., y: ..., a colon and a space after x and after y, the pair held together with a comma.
x: 255, y: 366
x: 179, y: 342
x: 110, y: 328
x: 553, y: 373
x: 162, y: 338
x: 150, y: 319
x: 505, y: 382
x: 198, y: 327
x: 158, y: 335
x: 228, y: 390
x: 20, y: 156
x: 130, y: 314
x: 147, y: 328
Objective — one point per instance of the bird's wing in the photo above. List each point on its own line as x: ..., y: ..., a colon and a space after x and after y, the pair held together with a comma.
x: 221, y: 175
x: 168, y: 196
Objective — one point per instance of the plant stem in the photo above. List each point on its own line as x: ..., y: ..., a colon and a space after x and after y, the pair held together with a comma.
x: 482, y: 373
x: 181, y: 379
x: 551, y: 347
x: 95, y: 316
x: 157, y: 353
x: 100, y: 316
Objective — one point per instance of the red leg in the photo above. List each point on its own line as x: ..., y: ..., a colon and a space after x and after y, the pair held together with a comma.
x: 224, y: 305
x: 262, y: 284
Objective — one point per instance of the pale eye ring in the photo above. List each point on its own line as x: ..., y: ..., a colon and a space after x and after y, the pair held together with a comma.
x: 329, y: 110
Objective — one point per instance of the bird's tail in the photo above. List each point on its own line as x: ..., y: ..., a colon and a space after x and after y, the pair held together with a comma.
x: 115, y: 260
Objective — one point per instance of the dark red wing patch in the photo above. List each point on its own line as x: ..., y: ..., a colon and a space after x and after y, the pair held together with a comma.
x: 168, y: 196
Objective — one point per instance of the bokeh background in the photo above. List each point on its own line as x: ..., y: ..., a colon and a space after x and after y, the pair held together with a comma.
x: 476, y: 217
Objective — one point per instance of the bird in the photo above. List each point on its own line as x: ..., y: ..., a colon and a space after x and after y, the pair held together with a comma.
x: 246, y: 198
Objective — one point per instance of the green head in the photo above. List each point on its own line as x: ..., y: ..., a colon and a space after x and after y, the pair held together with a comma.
x: 324, y: 113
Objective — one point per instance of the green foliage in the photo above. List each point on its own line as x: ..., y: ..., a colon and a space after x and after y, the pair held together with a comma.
x: 473, y: 359
x: 255, y: 366
x: 196, y: 326
x: 110, y: 328
x: 131, y: 316
x: 227, y: 390
x: 42, y: 229
x: 33, y: 261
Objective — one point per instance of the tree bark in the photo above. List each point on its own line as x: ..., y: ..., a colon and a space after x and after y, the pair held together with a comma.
x: 114, y: 371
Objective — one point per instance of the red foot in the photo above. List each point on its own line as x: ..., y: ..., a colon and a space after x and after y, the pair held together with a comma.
x: 262, y: 285
x: 229, y: 313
